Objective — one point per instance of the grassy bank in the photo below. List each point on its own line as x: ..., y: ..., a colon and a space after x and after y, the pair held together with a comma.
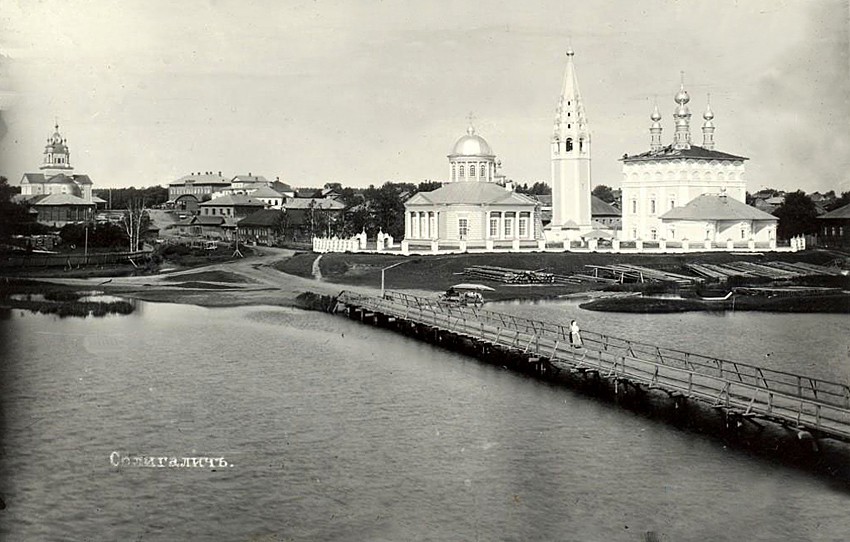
x: 438, y: 273
x: 57, y: 299
x: 832, y: 303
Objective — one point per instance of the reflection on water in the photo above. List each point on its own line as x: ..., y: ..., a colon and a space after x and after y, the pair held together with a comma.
x: 339, y: 431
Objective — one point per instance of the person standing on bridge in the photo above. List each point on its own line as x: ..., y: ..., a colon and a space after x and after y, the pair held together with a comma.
x: 575, y: 334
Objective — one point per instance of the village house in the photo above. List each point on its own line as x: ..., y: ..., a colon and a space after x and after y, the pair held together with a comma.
x: 835, y: 228
x: 189, y: 191
x: 263, y: 227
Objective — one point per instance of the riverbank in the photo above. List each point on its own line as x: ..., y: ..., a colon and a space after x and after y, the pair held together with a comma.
x: 278, y: 276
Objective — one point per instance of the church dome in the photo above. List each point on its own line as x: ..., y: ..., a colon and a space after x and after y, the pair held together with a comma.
x: 472, y: 144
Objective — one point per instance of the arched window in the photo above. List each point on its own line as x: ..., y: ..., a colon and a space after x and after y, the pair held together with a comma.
x: 581, y: 144
x: 569, y: 145
x: 460, y: 171
x: 472, y: 170
x: 454, y: 172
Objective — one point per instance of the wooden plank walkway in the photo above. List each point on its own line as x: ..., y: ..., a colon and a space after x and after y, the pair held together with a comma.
x: 819, y: 406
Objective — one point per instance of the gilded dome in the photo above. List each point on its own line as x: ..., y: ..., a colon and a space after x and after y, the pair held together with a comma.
x: 471, y: 144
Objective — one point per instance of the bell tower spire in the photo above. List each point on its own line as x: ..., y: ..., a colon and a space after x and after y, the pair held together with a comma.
x: 570, y: 156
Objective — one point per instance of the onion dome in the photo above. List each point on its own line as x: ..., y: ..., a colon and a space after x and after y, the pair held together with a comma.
x: 656, y: 115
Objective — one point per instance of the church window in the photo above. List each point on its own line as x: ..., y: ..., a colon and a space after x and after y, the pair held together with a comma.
x: 581, y: 144
x: 634, y: 206
x: 463, y: 227
x: 569, y: 126
x: 461, y: 170
x: 672, y: 202
x: 569, y: 114
x: 652, y: 206
x: 494, y: 226
x: 568, y: 102
x: 569, y: 146
x: 472, y: 170
x: 743, y: 233
x: 454, y: 172
x: 653, y: 234
x: 672, y: 232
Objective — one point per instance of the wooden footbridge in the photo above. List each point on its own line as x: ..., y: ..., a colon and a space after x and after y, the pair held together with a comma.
x: 812, y: 407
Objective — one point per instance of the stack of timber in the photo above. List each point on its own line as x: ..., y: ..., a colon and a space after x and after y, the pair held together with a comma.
x: 620, y: 273
x: 515, y: 276
x: 770, y: 270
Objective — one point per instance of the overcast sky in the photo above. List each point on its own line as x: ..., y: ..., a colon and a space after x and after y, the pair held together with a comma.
x: 362, y: 92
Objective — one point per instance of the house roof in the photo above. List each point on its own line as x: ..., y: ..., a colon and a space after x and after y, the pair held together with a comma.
x: 206, y: 220
x: 716, y: 207
x: 249, y: 179
x: 233, y: 200
x: 263, y: 217
x: 471, y: 193
x: 281, y: 187
x: 669, y: 153
x: 32, y: 178
x: 62, y: 199
x: 200, y: 178
x: 320, y: 203
x: 266, y: 192
x: 600, y: 208
x: 841, y: 212
x: 96, y: 199
x: 60, y: 178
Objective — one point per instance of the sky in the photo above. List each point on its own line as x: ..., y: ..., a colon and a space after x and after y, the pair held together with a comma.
x: 364, y: 92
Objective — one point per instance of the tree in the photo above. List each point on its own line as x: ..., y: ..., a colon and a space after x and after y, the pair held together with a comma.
x: 386, y: 207
x: 604, y: 193
x: 539, y: 188
x: 797, y: 215
x: 841, y: 201
x: 135, y: 223
x: 120, y: 198
x: 428, y: 186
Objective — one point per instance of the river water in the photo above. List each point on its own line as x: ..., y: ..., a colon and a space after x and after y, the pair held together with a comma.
x: 339, y: 431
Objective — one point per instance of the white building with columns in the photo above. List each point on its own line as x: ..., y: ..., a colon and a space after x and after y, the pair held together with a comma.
x: 570, y: 158
x: 472, y: 210
x: 659, y: 185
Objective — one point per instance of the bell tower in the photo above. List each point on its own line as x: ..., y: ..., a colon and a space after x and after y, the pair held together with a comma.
x: 570, y: 156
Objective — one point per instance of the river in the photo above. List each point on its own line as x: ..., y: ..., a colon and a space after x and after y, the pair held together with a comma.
x: 338, y: 431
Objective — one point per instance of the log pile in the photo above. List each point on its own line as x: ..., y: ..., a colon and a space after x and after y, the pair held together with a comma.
x: 515, y: 276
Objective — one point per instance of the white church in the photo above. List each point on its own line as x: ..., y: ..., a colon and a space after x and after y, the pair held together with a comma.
x: 679, y: 194
x: 685, y: 192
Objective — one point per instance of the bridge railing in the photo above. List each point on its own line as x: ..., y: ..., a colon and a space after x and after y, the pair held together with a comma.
x: 775, y: 382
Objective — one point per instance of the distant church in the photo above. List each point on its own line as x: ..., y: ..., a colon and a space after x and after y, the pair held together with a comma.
x: 682, y: 191
x: 57, y: 194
